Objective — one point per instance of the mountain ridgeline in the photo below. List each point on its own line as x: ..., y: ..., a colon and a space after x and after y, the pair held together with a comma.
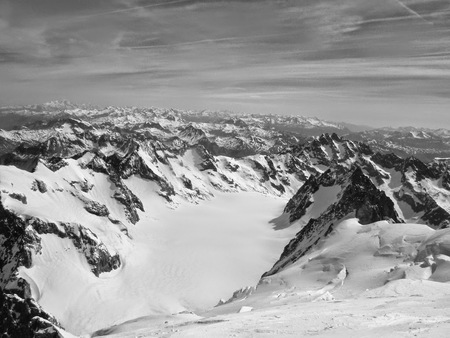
x: 65, y: 156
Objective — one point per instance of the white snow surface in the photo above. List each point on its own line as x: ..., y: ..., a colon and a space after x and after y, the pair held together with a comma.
x: 178, y: 259
x: 379, y: 279
x: 355, y: 283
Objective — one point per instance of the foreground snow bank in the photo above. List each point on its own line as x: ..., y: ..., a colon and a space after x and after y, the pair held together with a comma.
x: 362, y: 280
x: 367, y: 252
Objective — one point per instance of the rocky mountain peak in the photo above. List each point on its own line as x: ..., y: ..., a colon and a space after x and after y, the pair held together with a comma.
x: 351, y: 194
x: 389, y: 161
x: 420, y: 169
x: 191, y: 134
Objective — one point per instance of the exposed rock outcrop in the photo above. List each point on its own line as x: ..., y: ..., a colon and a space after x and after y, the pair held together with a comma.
x: 87, y: 243
x: 40, y: 186
x: 20, y: 315
x: 358, y: 198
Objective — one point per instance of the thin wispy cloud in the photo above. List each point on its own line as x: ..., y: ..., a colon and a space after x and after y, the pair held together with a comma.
x: 428, y: 18
x: 132, y: 9
x: 195, y: 54
x: 206, y: 41
x: 413, y: 12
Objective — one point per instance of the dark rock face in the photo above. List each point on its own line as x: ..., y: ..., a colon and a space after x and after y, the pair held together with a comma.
x: 446, y: 179
x: 16, y: 244
x: 40, y: 186
x: 129, y: 200
x: 190, y: 133
x: 207, y: 159
x: 55, y: 146
x: 27, y: 162
x: 119, y: 167
x: 132, y: 164
x: 278, y: 187
x: 388, y: 160
x: 96, y: 208
x: 83, y: 185
x: 421, y: 202
x: 415, y: 190
x: 370, y: 204
x: 85, y: 241
x: 122, y: 194
x: 359, y: 197
x: 187, y: 182
x: 93, y: 249
x: 262, y: 170
x: 55, y: 163
x: 19, y: 313
x: 420, y: 169
x: 236, y: 147
x: 97, y: 163
x: 20, y: 197
x: 299, y: 203
x: 437, y: 215
x: 23, y: 318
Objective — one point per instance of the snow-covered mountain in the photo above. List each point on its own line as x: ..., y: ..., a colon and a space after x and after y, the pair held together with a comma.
x: 96, y: 202
x: 425, y: 144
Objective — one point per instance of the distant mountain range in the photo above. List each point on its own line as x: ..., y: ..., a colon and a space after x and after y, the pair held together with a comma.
x: 423, y: 143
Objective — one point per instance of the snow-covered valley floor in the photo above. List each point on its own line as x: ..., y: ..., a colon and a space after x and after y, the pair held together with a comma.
x: 186, y: 258
x: 387, y: 290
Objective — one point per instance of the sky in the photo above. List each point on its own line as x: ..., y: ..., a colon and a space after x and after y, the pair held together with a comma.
x: 378, y: 63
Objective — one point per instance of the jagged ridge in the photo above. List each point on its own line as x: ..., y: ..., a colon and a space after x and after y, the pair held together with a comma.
x: 359, y: 198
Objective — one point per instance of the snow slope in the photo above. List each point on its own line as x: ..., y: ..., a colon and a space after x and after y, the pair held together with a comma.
x: 182, y: 259
x: 362, y: 281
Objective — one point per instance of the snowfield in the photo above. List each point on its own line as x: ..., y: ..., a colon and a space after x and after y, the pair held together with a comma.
x: 362, y: 281
x: 180, y: 259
